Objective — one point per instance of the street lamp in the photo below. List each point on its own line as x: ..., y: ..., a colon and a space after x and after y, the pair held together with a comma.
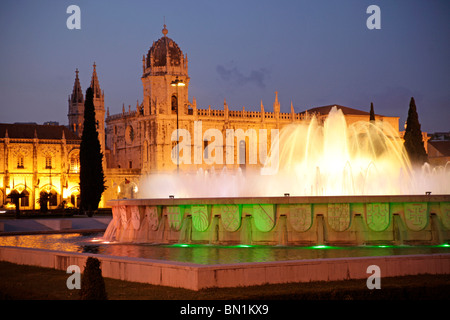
x: 178, y: 83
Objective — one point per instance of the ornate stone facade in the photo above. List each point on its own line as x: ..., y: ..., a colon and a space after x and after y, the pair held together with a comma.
x: 39, y: 158
x: 142, y: 138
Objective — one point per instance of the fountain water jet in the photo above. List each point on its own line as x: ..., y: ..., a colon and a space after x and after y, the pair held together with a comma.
x: 333, y: 173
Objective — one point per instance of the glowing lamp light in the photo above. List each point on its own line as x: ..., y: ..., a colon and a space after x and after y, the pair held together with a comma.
x: 177, y: 83
x: 66, y: 193
x: 321, y: 246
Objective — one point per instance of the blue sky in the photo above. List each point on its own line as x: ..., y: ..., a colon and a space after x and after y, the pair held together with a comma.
x: 313, y: 53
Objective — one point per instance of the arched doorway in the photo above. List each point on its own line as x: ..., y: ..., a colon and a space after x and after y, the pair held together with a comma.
x: 75, y: 199
x: 24, y: 199
x: 48, y: 197
x: 127, y: 190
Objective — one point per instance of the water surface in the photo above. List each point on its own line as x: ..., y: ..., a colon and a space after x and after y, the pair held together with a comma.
x: 206, y: 254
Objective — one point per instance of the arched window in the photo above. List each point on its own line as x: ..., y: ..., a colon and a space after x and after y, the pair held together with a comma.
x: 53, y: 199
x: 75, y: 199
x: 48, y: 162
x: 242, y: 155
x: 75, y: 163
x: 174, y: 104
x: 25, y: 200
x: 205, y: 149
x: 20, y: 159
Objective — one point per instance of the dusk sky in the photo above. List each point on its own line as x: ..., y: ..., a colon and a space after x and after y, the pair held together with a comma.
x: 314, y: 53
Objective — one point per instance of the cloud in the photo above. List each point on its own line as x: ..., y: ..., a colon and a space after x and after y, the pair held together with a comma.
x: 236, y: 78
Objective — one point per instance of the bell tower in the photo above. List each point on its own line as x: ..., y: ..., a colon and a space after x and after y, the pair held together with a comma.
x: 99, y: 105
x: 163, y: 65
x: 76, y: 107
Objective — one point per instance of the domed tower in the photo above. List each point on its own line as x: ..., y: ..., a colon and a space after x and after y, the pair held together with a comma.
x: 164, y: 64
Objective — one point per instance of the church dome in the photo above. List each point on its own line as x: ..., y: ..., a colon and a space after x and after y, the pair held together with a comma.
x: 163, y: 49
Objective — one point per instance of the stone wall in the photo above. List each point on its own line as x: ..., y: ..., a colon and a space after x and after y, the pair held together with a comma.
x: 284, y: 221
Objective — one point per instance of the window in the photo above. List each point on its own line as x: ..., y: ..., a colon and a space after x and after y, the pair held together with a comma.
x: 48, y: 162
x: 20, y: 162
x: 74, y: 163
x: 53, y: 199
x: 25, y: 201
x: 130, y: 164
x: 205, y: 148
x: 174, y: 151
x: 174, y: 104
x: 242, y: 155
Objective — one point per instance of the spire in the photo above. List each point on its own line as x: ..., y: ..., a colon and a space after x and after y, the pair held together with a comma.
x: 95, y: 84
x: 225, y: 108
x: 194, y: 107
x: 262, y: 112
x: 292, y: 112
x: 276, y: 104
x: 77, y: 93
x: 165, y: 31
x: 143, y: 63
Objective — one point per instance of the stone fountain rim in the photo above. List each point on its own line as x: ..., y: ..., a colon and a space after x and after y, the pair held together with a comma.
x: 281, y: 200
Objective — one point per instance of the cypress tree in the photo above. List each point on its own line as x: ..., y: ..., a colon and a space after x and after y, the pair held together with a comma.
x: 413, y: 137
x: 372, y: 113
x: 92, y: 282
x: 92, y: 179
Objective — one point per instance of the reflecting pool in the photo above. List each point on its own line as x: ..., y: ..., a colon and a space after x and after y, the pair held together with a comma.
x: 206, y: 254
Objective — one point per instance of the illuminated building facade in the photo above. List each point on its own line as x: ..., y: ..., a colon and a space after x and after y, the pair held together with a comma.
x: 36, y: 159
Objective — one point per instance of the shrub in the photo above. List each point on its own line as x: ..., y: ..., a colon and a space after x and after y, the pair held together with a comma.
x: 92, y: 282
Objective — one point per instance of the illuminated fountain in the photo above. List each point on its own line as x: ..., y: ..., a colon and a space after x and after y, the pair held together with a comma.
x: 333, y: 183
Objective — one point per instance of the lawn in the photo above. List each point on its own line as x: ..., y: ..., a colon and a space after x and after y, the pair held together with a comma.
x: 20, y: 282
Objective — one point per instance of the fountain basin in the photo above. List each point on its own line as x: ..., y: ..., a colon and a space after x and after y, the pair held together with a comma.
x: 196, y: 277
x: 331, y: 220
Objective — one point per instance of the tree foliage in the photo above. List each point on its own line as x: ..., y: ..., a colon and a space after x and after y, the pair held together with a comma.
x: 92, y: 282
x: 372, y: 113
x: 413, y: 137
x: 92, y: 178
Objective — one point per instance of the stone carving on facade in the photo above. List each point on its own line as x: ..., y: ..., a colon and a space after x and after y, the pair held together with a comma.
x: 445, y: 214
x: 416, y: 215
x: 230, y: 215
x: 200, y: 217
x: 339, y: 216
x: 264, y: 216
x: 175, y: 215
x: 135, y: 217
x: 300, y: 217
x: 123, y: 217
x: 377, y: 216
x: 152, y: 216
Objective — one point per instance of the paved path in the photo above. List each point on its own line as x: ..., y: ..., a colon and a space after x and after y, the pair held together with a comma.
x: 50, y: 225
